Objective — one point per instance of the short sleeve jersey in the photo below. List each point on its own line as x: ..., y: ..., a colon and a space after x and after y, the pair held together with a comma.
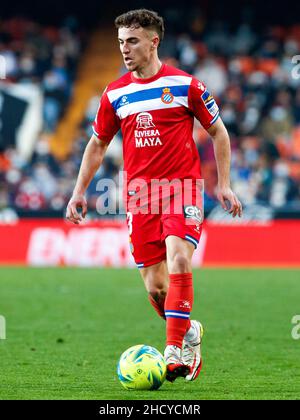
x: 156, y: 117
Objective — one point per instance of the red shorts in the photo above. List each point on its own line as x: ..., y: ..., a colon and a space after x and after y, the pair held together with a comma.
x: 147, y: 233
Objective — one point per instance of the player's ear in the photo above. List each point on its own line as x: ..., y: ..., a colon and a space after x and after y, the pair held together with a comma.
x: 155, y: 42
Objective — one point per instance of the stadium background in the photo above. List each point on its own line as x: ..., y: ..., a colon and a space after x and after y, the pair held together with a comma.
x: 59, y: 56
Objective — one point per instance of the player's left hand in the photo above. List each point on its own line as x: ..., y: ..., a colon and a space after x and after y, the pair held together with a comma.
x: 229, y: 201
x: 76, y: 202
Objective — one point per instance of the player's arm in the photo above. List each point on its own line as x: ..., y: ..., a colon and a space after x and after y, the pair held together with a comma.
x: 205, y: 109
x: 221, y: 143
x: 91, y: 160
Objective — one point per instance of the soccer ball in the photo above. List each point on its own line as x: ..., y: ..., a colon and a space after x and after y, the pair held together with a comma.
x: 142, y: 367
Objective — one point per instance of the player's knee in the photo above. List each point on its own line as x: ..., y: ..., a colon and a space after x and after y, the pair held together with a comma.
x: 180, y: 263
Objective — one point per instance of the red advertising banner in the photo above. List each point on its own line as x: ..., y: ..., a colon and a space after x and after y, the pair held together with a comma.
x: 105, y: 243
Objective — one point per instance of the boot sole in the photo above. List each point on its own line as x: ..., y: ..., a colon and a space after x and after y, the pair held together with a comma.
x: 180, y: 371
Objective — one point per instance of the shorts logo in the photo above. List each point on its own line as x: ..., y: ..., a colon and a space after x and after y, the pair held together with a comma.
x: 144, y: 120
x: 197, y: 228
x: 193, y: 212
x: 167, y: 97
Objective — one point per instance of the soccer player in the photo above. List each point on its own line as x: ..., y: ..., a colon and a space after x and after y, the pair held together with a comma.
x: 154, y: 105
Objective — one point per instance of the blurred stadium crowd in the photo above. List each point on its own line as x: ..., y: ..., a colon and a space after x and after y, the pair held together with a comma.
x: 249, y: 72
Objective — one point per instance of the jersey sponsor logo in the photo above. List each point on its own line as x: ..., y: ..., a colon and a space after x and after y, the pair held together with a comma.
x: 167, y: 96
x: 143, y: 136
x: 148, y: 142
x: 144, y: 120
x: 193, y: 212
x: 210, y: 103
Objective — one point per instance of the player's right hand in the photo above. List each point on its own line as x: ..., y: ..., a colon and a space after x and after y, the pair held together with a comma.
x: 76, y: 202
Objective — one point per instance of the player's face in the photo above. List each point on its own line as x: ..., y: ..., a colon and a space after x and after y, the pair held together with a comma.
x: 137, y: 47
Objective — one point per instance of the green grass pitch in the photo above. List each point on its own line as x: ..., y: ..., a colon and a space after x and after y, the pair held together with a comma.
x: 66, y: 329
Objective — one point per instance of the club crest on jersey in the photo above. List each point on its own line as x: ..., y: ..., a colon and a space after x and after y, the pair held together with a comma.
x: 144, y: 120
x: 167, y: 97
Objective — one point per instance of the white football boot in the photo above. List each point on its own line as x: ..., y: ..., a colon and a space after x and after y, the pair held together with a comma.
x: 191, y: 351
x: 174, y: 362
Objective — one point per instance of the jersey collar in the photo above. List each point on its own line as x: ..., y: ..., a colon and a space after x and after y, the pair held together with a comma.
x: 149, y: 79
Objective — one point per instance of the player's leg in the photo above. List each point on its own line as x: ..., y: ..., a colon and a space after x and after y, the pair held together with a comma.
x: 181, y: 232
x: 149, y: 253
x: 179, y: 304
x: 179, y: 300
x: 179, y: 255
x: 156, y: 280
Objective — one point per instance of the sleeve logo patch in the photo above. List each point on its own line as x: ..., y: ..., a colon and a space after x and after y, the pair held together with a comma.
x: 210, y: 103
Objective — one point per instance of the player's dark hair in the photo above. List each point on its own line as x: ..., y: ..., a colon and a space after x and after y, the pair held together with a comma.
x: 144, y: 18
